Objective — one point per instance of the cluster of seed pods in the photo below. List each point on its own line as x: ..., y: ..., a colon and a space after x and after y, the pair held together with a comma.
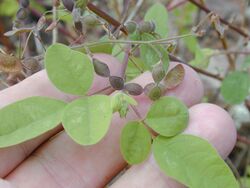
x: 154, y: 90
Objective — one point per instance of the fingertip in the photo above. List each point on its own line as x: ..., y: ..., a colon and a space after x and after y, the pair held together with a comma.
x: 214, y: 124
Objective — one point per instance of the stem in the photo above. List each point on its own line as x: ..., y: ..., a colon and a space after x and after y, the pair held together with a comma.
x: 106, y: 17
x: 152, y: 42
x: 125, y: 61
x: 205, y: 9
x: 26, y: 44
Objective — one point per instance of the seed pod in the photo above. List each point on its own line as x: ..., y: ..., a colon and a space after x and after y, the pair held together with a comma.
x: 153, y: 91
x: 24, y: 3
x: 116, y: 82
x: 147, y: 27
x: 41, y: 23
x: 133, y: 89
x: 158, y: 72
x: 90, y: 21
x: 101, y: 69
x: 32, y: 65
x: 21, y: 14
x: 9, y: 64
x: 174, y: 77
x: 51, y: 26
x: 68, y: 4
x: 131, y: 26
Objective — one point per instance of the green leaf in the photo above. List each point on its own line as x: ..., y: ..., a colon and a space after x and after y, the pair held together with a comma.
x: 87, y: 120
x: 158, y: 13
x: 135, y: 142
x: 193, y: 162
x: 8, y: 8
x: 202, y: 57
x: 135, y: 68
x: 28, y: 118
x: 246, y: 64
x: 105, y: 48
x: 152, y: 54
x: 70, y: 71
x: 120, y: 103
x: 235, y: 87
x: 168, y: 116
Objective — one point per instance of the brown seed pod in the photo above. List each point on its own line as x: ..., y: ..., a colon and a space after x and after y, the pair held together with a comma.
x: 32, y: 65
x: 10, y: 64
x: 24, y: 3
x: 174, y: 77
x: 21, y: 14
x: 133, y: 89
x: 158, y: 72
x: 41, y: 23
x: 116, y: 82
x: 101, y: 69
x: 153, y: 91
x: 146, y: 27
x: 90, y: 21
x: 131, y: 26
x: 68, y: 4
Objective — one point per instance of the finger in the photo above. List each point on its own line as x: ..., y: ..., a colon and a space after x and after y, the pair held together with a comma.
x: 206, y: 121
x: 61, y: 162
x: 39, y: 85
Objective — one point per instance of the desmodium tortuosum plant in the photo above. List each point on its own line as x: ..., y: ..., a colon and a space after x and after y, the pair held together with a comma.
x: 188, y: 159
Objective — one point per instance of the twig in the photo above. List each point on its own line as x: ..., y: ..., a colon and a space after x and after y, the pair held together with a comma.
x: 171, y: 7
x: 201, y: 71
x: 107, y: 17
x: 125, y: 61
x: 136, y: 9
x: 243, y: 139
x: 205, y: 9
x: 235, y: 171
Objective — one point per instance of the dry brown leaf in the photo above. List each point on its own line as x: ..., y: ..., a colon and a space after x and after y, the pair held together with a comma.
x: 174, y: 77
x: 9, y: 64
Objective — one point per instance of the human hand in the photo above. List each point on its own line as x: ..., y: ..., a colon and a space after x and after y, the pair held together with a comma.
x: 53, y: 160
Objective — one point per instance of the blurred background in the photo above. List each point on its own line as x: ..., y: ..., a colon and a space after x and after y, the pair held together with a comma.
x: 221, y: 55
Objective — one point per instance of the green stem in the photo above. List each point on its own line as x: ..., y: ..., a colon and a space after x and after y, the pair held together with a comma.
x: 152, y: 42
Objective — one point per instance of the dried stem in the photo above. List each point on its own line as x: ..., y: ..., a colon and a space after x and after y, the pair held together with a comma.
x: 205, y: 9
x: 106, y: 17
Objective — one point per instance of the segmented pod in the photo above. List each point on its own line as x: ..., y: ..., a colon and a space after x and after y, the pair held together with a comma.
x: 116, y: 82
x: 158, y: 72
x: 101, y: 69
x: 133, y: 89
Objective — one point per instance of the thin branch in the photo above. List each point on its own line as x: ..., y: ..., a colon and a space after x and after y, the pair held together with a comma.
x: 243, y: 139
x: 136, y: 9
x: 107, y: 17
x: 201, y: 71
x: 205, y: 9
